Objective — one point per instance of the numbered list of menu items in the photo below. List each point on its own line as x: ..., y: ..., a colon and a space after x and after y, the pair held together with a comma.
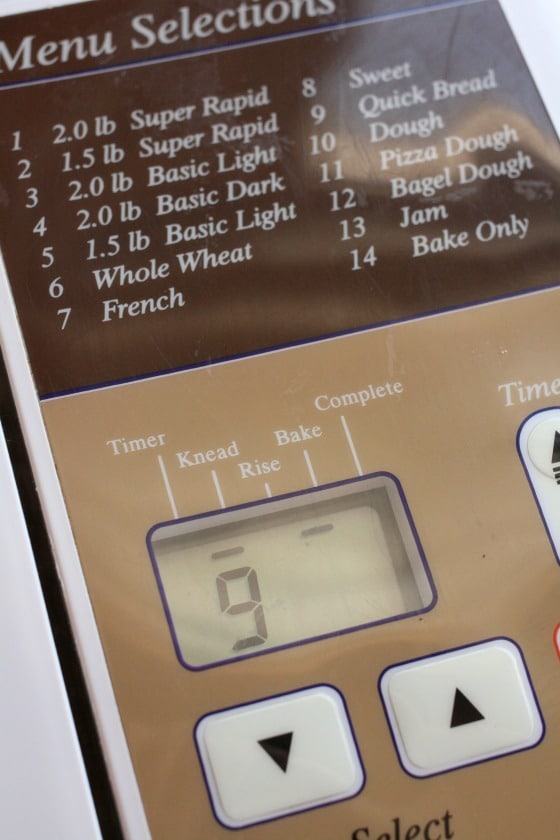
x: 233, y: 181
x: 166, y: 202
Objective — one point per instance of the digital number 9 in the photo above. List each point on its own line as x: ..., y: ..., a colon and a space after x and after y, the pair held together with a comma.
x: 253, y: 604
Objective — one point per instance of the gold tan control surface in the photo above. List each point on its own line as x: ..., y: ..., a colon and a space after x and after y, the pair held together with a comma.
x: 148, y: 452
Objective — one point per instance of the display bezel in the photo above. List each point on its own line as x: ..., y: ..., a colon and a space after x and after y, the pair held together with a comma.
x: 402, y: 528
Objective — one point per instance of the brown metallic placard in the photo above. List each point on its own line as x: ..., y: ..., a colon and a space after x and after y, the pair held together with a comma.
x: 173, y: 213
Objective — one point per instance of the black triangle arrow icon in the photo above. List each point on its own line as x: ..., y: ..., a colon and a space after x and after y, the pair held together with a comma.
x: 464, y: 711
x: 556, y: 457
x: 556, y: 449
x: 278, y: 748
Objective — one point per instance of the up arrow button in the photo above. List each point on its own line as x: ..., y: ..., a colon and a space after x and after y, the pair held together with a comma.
x: 538, y: 444
x: 438, y: 726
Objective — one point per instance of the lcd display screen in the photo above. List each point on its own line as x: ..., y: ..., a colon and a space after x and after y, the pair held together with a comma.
x: 285, y: 573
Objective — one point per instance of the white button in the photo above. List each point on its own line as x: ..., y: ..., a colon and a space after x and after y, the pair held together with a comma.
x: 539, y: 447
x: 542, y: 444
x: 278, y: 756
x: 461, y: 707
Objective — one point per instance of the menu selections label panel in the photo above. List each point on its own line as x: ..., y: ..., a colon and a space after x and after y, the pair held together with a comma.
x: 169, y: 213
